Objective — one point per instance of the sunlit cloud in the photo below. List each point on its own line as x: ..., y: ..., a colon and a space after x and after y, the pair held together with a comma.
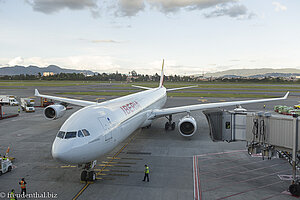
x: 279, y: 7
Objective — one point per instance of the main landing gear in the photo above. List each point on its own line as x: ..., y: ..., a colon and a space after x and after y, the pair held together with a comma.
x: 169, y: 124
x: 88, y: 174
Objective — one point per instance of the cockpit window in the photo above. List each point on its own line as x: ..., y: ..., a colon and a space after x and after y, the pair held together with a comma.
x: 80, y: 134
x: 61, y: 134
x: 85, y: 132
x: 70, y: 135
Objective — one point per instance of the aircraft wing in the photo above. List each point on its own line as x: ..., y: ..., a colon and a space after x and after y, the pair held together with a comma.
x: 66, y: 100
x: 169, y: 111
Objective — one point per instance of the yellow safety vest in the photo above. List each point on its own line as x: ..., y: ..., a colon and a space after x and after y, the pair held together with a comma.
x: 147, y: 170
x: 12, y: 196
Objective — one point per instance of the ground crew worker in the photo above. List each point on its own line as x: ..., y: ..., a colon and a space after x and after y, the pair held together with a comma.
x: 4, y: 158
x: 19, y: 110
x: 12, y: 195
x: 146, y: 173
x: 264, y: 106
x: 23, y: 186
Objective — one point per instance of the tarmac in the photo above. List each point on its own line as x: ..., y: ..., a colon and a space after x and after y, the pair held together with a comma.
x: 180, y: 168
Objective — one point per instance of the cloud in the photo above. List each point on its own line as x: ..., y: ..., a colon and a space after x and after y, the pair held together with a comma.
x: 235, y: 11
x: 130, y: 7
x: 104, y: 41
x: 175, y: 5
x: 279, y: 7
x: 99, y: 41
x: 97, y: 63
x: 53, y: 6
x: 16, y: 61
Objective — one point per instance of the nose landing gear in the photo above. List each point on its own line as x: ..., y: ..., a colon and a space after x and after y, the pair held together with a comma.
x: 88, y: 174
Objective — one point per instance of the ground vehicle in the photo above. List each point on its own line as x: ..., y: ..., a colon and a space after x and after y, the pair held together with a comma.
x: 27, y: 104
x: 8, y: 99
x: 5, y: 165
x: 297, y: 106
x: 46, y: 102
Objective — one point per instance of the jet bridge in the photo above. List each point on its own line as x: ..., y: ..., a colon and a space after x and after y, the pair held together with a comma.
x: 269, y: 134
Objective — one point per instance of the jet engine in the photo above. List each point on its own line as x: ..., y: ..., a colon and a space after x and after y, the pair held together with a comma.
x: 187, y: 126
x: 54, y: 111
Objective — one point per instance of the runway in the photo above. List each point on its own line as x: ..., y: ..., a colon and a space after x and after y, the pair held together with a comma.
x: 180, y: 168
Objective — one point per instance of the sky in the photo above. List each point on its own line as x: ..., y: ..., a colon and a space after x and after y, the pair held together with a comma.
x: 193, y: 36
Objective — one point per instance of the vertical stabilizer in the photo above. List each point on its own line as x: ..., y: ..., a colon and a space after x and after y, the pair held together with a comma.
x: 162, y: 75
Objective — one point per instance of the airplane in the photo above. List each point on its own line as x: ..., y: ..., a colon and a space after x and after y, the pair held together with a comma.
x: 98, y: 128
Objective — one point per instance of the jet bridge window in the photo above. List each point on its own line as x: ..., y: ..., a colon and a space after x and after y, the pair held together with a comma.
x: 71, y: 135
x: 61, y: 134
x: 80, y: 134
x: 85, y: 132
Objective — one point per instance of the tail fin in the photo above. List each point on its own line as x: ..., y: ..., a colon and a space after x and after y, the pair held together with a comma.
x: 162, y: 75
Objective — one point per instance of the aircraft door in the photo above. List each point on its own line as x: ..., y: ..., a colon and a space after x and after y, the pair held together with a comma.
x: 105, y: 123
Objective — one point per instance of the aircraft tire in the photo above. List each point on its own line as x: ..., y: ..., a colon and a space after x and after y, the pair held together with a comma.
x: 173, y: 126
x: 294, y: 189
x: 167, y: 125
x: 83, y: 175
x: 92, y: 176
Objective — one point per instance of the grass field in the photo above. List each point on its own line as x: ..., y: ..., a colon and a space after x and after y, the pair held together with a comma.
x: 202, y: 90
x: 283, y: 86
x: 9, y: 88
x: 173, y: 94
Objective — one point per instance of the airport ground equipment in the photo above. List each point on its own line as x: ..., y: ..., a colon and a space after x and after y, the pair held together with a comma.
x: 5, y: 165
x: 9, y: 100
x: 297, y: 106
x: 46, y: 102
x: 265, y: 133
x: 27, y: 104
x: 5, y: 115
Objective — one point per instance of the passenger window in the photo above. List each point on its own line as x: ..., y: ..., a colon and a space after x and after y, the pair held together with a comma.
x: 85, y: 132
x: 80, y: 134
x: 70, y: 135
x: 61, y: 134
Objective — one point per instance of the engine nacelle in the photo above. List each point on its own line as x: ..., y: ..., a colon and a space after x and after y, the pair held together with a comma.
x: 187, y: 126
x: 54, y: 111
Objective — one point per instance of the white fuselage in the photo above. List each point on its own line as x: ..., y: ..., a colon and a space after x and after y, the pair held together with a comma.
x: 108, y: 123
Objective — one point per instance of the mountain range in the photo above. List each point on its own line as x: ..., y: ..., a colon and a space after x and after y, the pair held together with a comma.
x: 256, y: 72
x: 34, y: 70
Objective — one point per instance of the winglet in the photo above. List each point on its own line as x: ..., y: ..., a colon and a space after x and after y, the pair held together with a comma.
x: 36, y: 92
x: 162, y: 75
x: 142, y: 87
x: 286, y: 95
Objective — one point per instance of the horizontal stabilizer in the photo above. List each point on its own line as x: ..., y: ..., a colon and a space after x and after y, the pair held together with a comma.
x: 142, y: 87
x: 181, y: 88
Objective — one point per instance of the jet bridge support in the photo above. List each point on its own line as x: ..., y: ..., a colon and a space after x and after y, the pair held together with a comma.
x: 270, y: 135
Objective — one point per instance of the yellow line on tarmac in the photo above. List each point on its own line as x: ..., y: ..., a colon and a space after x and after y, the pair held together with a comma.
x: 105, y: 165
x: 112, y: 158
x: 87, y: 184
x: 67, y: 166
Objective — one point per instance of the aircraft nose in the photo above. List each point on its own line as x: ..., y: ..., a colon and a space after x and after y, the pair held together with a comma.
x: 61, y: 151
